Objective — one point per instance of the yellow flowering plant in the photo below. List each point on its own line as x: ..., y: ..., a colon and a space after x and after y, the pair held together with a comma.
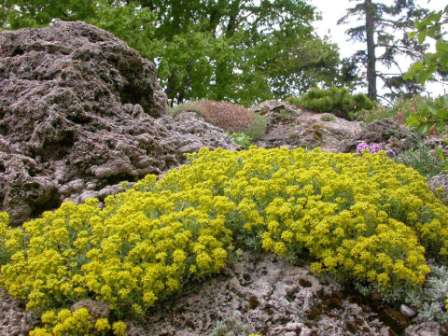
x: 358, y: 217
x: 78, y: 322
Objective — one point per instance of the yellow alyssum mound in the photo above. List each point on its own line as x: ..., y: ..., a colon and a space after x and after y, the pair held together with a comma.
x: 359, y: 217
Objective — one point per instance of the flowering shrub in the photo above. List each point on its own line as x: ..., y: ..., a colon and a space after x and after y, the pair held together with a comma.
x: 373, y: 148
x: 363, y: 218
x: 363, y: 147
x: 78, y: 322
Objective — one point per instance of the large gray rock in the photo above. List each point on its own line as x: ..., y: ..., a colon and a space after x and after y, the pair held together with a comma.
x: 197, y: 133
x: 424, y: 329
x: 78, y: 113
x: 14, y: 320
x: 290, y: 126
x: 389, y: 134
x: 265, y: 295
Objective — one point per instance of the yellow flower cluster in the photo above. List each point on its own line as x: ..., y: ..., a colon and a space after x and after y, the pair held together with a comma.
x: 78, y: 322
x: 141, y: 247
x: 359, y: 217
x: 364, y: 217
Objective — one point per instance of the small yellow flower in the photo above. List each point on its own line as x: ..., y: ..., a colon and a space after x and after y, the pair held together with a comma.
x: 49, y: 317
x: 119, y: 328
x: 102, y: 325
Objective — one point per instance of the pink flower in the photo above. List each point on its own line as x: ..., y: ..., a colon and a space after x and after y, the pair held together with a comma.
x: 375, y: 148
x: 362, y: 148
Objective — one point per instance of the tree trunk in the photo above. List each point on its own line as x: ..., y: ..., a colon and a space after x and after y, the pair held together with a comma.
x: 371, y: 57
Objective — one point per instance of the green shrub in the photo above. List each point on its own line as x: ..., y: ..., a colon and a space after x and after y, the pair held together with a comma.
x: 378, y: 112
x: 257, y: 129
x: 328, y: 117
x: 338, y: 101
x: 241, y: 139
x: 426, y: 161
x: 431, y: 300
x: 424, y: 114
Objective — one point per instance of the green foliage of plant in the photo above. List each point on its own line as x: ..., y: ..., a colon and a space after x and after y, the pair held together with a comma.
x: 328, y: 117
x: 378, y: 112
x: 221, y: 50
x: 431, y: 28
x: 338, y: 101
x: 431, y: 300
x: 360, y: 218
x: 426, y: 161
x: 241, y: 139
x: 257, y: 128
x: 429, y: 113
x: 425, y: 114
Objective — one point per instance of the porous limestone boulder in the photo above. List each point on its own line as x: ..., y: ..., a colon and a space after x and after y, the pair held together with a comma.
x: 290, y: 126
x: 80, y: 111
x: 265, y: 295
x: 389, y: 134
x: 14, y: 320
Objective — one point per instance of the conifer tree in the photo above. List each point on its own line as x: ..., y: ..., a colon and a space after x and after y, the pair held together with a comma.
x: 384, y: 28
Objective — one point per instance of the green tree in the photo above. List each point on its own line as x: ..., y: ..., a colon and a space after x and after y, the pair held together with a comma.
x: 433, y: 65
x: 240, y: 50
x: 384, y: 28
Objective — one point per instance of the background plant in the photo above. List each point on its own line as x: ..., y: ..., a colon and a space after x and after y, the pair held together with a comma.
x: 241, y: 139
x: 431, y: 300
x: 433, y: 65
x: 378, y: 112
x: 425, y: 114
x: 428, y: 162
x: 338, y: 101
x: 233, y: 118
x: 384, y: 26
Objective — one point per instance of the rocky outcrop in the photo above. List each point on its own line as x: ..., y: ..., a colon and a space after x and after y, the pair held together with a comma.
x: 292, y: 127
x: 14, y: 321
x: 389, y: 134
x: 79, y: 112
x: 269, y: 296
x: 425, y: 329
x: 196, y: 133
